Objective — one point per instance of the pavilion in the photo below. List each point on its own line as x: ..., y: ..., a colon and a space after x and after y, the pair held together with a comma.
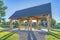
x: 33, y: 13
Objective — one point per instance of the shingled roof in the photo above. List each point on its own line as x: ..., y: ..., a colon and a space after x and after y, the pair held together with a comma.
x: 33, y: 11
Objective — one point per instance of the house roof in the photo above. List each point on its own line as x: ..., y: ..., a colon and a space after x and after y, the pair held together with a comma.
x: 33, y: 11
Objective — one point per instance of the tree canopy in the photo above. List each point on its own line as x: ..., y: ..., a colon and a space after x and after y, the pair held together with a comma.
x: 2, y: 11
x: 53, y: 21
x: 58, y: 23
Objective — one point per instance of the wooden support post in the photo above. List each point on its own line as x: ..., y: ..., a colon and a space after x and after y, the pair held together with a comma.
x: 37, y: 23
x: 30, y: 23
x: 19, y: 23
x: 11, y: 24
x: 48, y: 22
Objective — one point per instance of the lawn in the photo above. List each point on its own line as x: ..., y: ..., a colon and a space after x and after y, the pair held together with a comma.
x: 1, y: 28
x: 53, y: 35
x: 8, y: 36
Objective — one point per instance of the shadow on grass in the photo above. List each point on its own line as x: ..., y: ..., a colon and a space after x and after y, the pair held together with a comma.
x: 55, y: 30
x: 6, y: 36
x: 53, y: 34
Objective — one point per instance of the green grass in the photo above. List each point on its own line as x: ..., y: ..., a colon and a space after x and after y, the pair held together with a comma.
x: 53, y: 35
x: 8, y: 36
x: 1, y: 28
x: 55, y: 29
x: 13, y: 37
x: 3, y: 33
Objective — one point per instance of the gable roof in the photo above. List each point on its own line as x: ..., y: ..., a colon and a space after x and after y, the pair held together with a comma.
x: 33, y: 11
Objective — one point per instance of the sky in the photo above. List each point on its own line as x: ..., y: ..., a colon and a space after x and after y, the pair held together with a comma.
x: 14, y: 5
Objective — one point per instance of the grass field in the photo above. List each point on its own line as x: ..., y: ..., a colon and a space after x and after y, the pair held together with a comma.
x: 8, y: 36
x: 1, y: 28
x: 53, y: 35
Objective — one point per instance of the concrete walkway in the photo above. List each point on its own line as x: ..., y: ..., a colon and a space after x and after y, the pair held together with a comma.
x: 29, y: 35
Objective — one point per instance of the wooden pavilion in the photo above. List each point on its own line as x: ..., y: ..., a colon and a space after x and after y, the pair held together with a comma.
x: 34, y: 13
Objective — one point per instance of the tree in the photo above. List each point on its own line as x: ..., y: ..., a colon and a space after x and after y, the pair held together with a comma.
x: 2, y: 11
x: 58, y: 23
x: 53, y: 22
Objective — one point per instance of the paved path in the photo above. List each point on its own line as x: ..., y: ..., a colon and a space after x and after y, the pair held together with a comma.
x: 29, y: 35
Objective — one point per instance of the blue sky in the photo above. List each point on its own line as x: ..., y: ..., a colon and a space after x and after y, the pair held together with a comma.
x: 14, y: 5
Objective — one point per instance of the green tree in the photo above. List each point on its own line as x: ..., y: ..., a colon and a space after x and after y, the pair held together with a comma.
x: 53, y: 22
x: 2, y: 11
x: 58, y: 23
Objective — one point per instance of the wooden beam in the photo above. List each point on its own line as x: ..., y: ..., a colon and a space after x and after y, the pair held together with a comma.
x: 41, y: 16
x: 15, y: 19
x: 10, y: 23
x: 48, y: 22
